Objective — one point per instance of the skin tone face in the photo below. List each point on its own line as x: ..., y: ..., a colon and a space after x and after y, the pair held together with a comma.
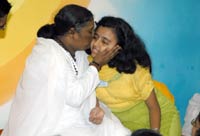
x: 75, y: 40
x: 3, y: 22
x: 83, y: 38
x: 104, y: 38
x: 195, y: 126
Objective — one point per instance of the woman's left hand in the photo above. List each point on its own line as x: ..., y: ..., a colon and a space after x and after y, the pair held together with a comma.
x: 96, y: 115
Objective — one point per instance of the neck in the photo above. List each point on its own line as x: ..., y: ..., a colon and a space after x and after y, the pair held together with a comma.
x: 66, y: 47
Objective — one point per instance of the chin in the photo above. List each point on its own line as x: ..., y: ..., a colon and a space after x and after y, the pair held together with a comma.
x: 93, y: 54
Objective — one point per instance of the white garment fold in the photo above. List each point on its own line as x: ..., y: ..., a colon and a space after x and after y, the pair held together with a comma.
x: 51, y: 99
x: 192, y: 111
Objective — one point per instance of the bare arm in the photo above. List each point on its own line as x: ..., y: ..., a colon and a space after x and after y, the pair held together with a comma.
x: 154, y: 111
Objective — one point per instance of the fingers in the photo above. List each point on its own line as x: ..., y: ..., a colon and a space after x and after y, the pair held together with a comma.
x: 106, y: 55
x: 96, y: 116
x: 92, y: 115
x: 95, y: 119
x: 115, y: 51
x: 111, y: 53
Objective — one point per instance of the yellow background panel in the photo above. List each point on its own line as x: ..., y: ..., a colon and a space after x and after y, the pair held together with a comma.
x: 20, y: 34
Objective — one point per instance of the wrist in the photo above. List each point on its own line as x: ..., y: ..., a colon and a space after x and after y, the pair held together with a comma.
x: 156, y: 129
x: 97, y: 65
x: 97, y: 102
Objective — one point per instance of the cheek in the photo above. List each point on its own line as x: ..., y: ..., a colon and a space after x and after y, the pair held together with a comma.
x: 107, y: 47
x: 194, y: 131
x: 104, y: 48
x: 89, y: 37
x: 92, y: 44
x: 86, y: 40
x: 93, y: 54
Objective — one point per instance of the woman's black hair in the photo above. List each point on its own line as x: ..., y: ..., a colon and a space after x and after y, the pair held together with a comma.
x: 69, y: 16
x: 145, y: 132
x: 133, y: 49
x: 5, y: 7
x: 198, y: 117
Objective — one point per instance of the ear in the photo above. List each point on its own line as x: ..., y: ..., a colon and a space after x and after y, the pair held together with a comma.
x: 73, y: 33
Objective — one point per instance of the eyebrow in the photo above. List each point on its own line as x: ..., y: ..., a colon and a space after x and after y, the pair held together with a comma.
x: 104, y: 38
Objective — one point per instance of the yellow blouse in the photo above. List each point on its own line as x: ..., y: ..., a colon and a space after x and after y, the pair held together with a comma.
x: 122, y: 91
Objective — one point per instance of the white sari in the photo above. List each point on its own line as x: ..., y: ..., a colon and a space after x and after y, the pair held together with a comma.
x: 53, y: 99
x: 192, y: 112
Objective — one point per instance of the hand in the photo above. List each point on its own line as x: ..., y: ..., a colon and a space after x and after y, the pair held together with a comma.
x: 105, y: 56
x: 96, y: 115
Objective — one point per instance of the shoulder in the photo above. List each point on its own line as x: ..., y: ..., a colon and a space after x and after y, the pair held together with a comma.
x: 47, y: 47
x: 44, y: 45
x: 42, y: 51
x: 141, y: 72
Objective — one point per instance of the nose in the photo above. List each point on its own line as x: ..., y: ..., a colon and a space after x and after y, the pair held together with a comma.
x: 96, y: 42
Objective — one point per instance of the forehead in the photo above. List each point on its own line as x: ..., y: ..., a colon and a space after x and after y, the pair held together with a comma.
x: 89, y: 25
x: 106, y: 32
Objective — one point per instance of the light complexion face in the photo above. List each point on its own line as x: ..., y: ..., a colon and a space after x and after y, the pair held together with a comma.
x: 195, y: 126
x: 3, y: 22
x: 104, y: 38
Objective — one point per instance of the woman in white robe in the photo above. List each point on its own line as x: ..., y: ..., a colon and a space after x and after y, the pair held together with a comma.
x: 192, y: 112
x: 56, y: 92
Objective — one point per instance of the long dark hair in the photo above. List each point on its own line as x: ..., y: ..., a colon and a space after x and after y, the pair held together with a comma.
x: 69, y: 16
x: 145, y: 132
x: 198, y: 117
x: 5, y: 7
x: 133, y: 49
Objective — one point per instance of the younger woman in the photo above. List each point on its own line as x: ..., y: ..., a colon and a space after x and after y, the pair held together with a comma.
x: 127, y: 87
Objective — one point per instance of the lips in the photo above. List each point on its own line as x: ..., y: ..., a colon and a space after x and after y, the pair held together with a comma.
x: 94, y: 51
